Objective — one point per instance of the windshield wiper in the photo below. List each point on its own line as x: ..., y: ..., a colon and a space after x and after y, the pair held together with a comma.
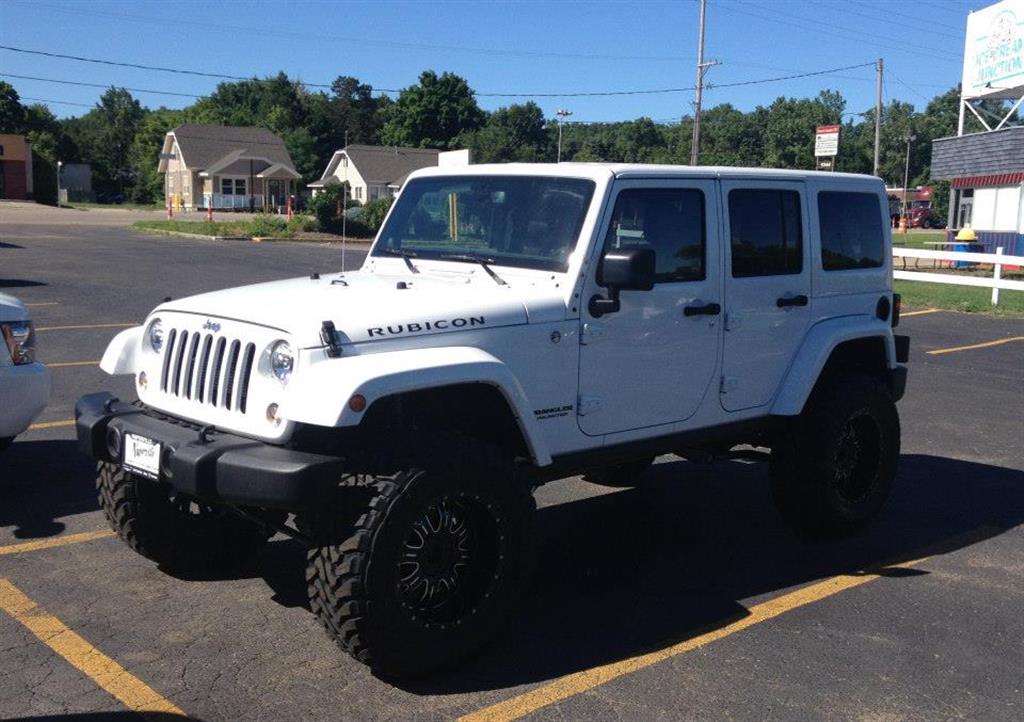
x: 404, y: 255
x: 469, y: 258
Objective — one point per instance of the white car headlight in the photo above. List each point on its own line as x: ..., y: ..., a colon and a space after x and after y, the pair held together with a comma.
x: 282, y: 360
x: 155, y: 335
x: 20, y: 338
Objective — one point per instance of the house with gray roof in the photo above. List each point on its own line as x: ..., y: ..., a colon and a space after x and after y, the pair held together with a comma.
x: 368, y: 172
x: 226, y: 168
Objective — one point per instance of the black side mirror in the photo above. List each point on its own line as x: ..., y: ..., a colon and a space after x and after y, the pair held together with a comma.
x: 630, y: 270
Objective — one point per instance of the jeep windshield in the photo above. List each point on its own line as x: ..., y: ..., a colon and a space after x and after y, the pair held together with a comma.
x: 523, y: 221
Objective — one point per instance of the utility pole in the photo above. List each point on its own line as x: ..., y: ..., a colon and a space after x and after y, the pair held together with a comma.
x: 878, y: 113
x: 701, y: 69
x: 344, y: 206
x: 562, y: 113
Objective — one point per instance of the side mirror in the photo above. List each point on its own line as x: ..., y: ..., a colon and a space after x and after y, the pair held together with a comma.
x: 630, y: 270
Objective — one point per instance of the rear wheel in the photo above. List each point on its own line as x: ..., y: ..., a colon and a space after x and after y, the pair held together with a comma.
x: 431, y: 570
x: 174, y: 529
x: 833, y: 470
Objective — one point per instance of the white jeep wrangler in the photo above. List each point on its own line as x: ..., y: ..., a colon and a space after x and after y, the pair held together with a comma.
x: 511, y: 325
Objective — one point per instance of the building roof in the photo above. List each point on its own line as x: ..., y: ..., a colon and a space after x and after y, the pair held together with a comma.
x: 204, y: 145
x: 384, y: 164
x: 996, y: 152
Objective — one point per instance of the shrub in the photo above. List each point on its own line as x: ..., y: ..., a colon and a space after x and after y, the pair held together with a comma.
x: 266, y: 225
x: 303, y: 223
x: 324, y: 205
x: 374, y: 212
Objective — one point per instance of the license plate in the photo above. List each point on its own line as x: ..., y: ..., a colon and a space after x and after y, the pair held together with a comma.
x: 142, y: 455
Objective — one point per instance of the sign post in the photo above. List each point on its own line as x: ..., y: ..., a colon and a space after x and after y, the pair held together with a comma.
x: 826, y: 147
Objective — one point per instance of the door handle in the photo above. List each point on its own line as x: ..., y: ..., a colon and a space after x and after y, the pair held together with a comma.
x: 784, y: 302
x: 708, y: 309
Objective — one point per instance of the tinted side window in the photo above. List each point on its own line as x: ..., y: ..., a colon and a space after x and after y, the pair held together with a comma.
x: 766, y: 236
x: 668, y: 220
x: 851, y: 230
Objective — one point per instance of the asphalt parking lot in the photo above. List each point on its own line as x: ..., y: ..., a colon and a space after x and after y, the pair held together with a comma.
x: 687, y: 598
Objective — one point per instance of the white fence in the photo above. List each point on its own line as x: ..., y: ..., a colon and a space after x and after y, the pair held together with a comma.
x: 997, y: 260
x: 220, y: 201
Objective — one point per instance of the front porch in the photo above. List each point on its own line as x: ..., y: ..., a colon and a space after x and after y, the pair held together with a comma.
x: 265, y: 189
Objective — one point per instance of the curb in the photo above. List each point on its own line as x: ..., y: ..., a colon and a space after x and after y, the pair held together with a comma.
x: 326, y: 241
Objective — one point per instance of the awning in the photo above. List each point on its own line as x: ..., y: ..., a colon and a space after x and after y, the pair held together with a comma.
x: 989, y: 181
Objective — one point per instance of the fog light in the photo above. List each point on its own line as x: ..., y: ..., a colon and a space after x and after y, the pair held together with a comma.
x: 113, y: 443
x: 143, y: 381
x: 357, y: 403
x: 272, y: 416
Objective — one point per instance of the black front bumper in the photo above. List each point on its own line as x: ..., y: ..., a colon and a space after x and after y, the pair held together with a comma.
x: 208, y: 464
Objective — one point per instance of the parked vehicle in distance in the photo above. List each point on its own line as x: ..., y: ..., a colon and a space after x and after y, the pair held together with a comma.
x: 922, y: 216
x: 24, y: 382
x: 511, y: 325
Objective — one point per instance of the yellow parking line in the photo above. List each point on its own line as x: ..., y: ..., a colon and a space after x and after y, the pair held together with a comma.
x: 51, y: 424
x: 128, y: 689
x: 920, y: 313
x: 579, y: 682
x: 57, y: 541
x: 69, y: 364
x: 987, y: 344
x: 86, y: 326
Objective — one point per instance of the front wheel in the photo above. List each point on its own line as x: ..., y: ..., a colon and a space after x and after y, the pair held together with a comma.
x: 833, y: 469
x: 174, y: 529
x: 431, y: 569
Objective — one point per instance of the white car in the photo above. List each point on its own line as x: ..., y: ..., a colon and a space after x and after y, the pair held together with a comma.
x: 24, y: 383
x: 512, y: 324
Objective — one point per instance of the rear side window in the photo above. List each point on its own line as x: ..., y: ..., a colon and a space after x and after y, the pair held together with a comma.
x: 766, y: 236
x: 669, y: 221
x: 851, y: 230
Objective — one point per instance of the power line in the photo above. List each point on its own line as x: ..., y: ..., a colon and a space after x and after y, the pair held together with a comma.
x: 251, y: 31
x: 814, y: 25
x: 57, y: 102
x: 591, y: 94
x: 880, y: 19
x: 97, y: 85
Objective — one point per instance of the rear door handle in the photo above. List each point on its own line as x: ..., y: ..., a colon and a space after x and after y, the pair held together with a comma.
x: 784, y: 302
x: 708, y: 309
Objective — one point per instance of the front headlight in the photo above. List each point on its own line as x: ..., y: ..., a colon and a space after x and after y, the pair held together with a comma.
x: 20, y: 337
x: 155, y: 335
x: 282, y: 360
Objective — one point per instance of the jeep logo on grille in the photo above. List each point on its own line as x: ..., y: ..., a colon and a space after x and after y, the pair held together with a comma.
x: 211, y: 326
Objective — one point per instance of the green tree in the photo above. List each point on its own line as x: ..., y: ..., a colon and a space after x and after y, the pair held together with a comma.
x: 433, y: 113
x: 515, y: 133
x: 145, y: 153
x: 12, y: 112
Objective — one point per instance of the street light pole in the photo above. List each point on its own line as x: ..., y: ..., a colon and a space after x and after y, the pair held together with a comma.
x: 562, y: 113
x: 59, y: 165
x: 906, y: 179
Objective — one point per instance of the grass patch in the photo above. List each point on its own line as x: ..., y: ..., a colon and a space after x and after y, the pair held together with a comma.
x: 260, y: 226
x: 917, y: 239
x: 959, y: 298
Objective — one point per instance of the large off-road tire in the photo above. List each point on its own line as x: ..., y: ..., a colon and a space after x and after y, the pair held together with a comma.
x: 624, y: 475
x: 431, y: 569
x: 833, y: 467
x: 173, y: 529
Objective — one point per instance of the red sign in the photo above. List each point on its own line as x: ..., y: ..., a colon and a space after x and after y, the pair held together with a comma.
x: 824, y: 129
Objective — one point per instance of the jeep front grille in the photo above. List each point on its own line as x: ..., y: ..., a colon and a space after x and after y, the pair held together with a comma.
x: 208, y: 369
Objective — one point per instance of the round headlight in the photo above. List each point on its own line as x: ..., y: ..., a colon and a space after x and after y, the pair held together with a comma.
x: 282, y: 360
x: 156, y: 335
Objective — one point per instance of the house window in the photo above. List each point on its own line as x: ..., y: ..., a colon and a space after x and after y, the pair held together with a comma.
x: 232, y: 186
x: 359, y: 192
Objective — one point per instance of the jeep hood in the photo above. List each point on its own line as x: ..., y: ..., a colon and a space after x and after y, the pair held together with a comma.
x: 368, y: 306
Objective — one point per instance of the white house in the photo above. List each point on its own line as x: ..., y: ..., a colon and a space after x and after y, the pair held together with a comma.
x: 371, y: 171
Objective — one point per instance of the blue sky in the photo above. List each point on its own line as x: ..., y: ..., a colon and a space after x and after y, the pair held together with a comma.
x: 528, y: 47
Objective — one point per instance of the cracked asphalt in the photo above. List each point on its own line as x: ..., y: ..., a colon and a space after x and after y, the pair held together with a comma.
x: 935, y: 633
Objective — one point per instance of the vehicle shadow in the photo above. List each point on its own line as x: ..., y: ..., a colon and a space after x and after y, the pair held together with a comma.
x: 41, y: 482
x: 19, y: 283
x: 4, y: 244
x: 626, y: 573
x: 122, y: 716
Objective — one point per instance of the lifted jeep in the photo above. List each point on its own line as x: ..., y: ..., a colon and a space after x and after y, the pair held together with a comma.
x: 511, y: 325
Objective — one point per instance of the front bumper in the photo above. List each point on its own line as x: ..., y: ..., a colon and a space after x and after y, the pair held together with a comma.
x: 208, y: 464
x: 24, y: 393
